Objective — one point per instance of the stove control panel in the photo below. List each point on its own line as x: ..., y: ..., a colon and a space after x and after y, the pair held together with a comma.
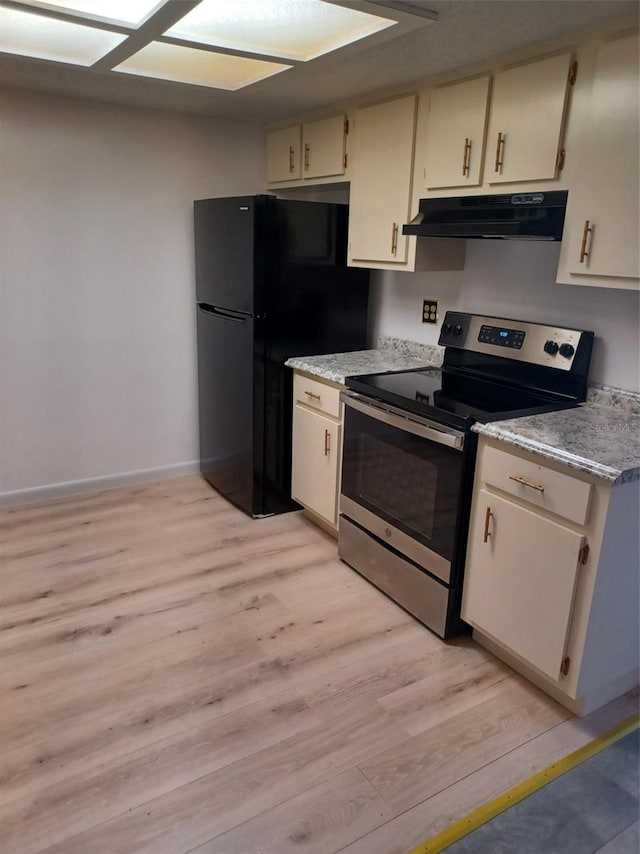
x: 536, y: 343
x: 501, y: 336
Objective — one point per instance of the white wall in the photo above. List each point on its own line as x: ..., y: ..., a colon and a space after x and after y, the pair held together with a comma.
x: 516, y: 279
x: 97, y: 337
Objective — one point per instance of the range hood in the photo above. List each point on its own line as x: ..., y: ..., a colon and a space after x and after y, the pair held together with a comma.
x: 519, y: 216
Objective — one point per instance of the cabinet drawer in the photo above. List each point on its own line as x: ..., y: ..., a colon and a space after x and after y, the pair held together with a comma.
x: 317, y: 395
x: 544, y: 487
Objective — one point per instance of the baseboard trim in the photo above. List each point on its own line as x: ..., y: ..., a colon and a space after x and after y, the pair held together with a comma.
x: 95, y: 484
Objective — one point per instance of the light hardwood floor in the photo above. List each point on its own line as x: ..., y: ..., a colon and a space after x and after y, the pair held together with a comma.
x: 176, y: 677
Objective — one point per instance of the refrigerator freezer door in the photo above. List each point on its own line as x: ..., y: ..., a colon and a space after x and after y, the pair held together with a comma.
x: 271, y: 283
x: 225, y: 248
x: 227, y: 404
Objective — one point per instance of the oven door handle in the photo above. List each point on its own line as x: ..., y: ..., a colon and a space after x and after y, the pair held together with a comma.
x: 436, y: 433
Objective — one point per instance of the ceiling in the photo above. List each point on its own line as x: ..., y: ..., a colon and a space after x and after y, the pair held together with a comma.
x: 467, y: 32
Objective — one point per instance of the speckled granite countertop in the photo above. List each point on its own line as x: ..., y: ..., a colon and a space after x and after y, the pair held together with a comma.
x: 601, y: 437
x: 392, y: 354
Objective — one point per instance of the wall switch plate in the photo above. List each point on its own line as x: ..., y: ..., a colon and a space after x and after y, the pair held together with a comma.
x: 429, y: 311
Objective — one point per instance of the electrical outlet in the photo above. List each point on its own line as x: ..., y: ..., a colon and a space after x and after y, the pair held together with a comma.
x: 429, y: 311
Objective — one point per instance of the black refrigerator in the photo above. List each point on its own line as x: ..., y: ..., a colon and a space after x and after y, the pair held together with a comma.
x: 271, y: 282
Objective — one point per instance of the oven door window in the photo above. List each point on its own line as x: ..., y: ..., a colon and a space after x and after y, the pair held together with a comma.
x: 409, y: 481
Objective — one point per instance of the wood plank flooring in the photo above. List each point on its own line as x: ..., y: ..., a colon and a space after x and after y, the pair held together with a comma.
x: 176, y: 677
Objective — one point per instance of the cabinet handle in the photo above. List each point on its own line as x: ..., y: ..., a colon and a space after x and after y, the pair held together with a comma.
x: 466, y: 158
x: 499, y: 151
x: 327, y: 442
x: 487, y: 520
x: 307, y: 150
x: 585, y: 234
x: 292, y: 165
x: 537, y: 486
x: 313, y: 395
x: 394, y: 238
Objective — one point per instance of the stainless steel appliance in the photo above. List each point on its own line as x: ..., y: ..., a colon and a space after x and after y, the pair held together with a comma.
x: 409, y: 451
x: 271, y: 282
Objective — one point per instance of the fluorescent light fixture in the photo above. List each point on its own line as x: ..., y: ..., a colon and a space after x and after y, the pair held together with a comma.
x: 128, y: 12
x: 47, y: 38
x: 200, y: 67
x: 291, y: 29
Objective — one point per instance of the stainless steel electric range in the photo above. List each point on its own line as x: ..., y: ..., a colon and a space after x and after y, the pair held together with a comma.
x: 409, y: 452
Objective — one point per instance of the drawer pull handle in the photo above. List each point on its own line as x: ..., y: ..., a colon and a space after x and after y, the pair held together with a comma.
x: 585, y: 234
x: 499, y: 152
x: 307, y: 152
x: 537, y: 486
x: 467, y: 156
x: 327, y: 442
x: 487, y: 521
x: 313, y: 395
x: 292, y: 164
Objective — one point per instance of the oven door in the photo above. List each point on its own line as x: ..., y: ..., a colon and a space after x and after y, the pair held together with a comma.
x: 402, y: 480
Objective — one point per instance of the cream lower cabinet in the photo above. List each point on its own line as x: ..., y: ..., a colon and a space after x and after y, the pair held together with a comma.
x: 317, y: 448
x: 551, y: 580
x: 509, y: 590
x: 600, y: 241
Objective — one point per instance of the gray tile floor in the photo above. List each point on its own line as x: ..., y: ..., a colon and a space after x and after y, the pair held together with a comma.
x: 592, y: 809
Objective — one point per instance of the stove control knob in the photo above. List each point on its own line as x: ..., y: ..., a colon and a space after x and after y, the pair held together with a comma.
x: 567, y: 350
x: 551, y: 348
x: 457, y: 329
x: 446, y: 328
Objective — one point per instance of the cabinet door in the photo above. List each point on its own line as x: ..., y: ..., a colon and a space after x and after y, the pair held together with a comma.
x: 602, y: 223
x: 316, y: 458
x: 283, y: 154
x: 526, y: 123
x: 323, y: 145
x: 381, y: 180
x: 519, y: 580
x: 456, y: 134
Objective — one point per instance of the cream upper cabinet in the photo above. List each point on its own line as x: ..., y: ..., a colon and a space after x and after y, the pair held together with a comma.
x: 526, y: 120
x: 381, y: 180
x: 456, y: 134
x: 284, y: 154
x: 381, y: 194
x: 600, y: 242
x: 324, y: 147
x: 312, y: 150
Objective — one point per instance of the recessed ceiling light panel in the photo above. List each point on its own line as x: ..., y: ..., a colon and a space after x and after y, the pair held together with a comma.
x: 199, y: 67
x: 291, y: 29
x: 47, y: 38
x: 128, y: 12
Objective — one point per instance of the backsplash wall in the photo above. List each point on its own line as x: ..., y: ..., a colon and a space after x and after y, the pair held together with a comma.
x: 515, y: 279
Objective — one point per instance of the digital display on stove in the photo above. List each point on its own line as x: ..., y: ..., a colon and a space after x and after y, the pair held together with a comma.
x: 501, y: 336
